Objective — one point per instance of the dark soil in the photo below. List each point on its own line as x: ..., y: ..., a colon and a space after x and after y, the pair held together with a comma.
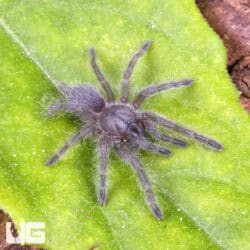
x: 231, y: 20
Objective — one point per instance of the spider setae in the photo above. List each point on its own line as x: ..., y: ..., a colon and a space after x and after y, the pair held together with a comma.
x: 119, y: 125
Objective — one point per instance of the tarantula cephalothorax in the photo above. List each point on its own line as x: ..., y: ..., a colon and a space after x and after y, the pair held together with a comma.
x: 117, y: 124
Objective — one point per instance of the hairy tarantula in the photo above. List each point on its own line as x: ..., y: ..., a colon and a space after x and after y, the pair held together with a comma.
x: 117, y: 124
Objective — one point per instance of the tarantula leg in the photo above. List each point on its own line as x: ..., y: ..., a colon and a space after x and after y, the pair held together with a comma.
x: 151, y: 90
x: 83, y: 133
x: 57, y: 107
x: 163, y: 137
x: 100, y: 76
x: 129, y: 70
x: 146, y: 145
x: 138, y: 168
x: 103, y: 151
x: 211, y: 143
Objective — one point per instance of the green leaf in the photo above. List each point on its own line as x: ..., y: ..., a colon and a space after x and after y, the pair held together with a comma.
x: 204, y: 194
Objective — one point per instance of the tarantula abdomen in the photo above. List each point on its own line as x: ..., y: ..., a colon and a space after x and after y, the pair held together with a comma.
x: 82, y: 98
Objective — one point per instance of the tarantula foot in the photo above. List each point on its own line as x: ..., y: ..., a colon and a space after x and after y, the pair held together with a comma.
x: 102, y: 197
x: 157, y: 212
x: 52, y: 160
x: 215, y: 145
x: 165, y: 151
x: 179, y: 142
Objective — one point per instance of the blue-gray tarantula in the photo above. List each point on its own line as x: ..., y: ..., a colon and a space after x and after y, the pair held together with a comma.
x: 119, y: 125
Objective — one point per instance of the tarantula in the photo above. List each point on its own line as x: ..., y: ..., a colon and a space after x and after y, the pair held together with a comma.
x: 119, y: 125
